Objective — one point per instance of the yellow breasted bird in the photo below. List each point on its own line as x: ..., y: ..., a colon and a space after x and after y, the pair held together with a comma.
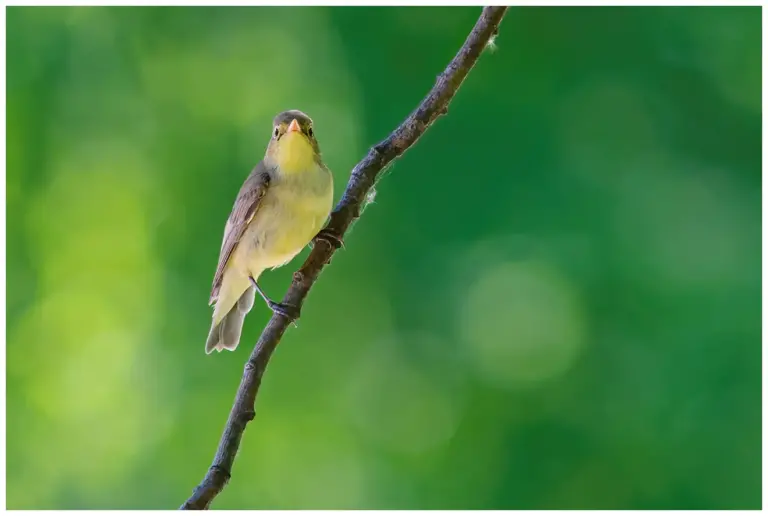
x: 282, y: 205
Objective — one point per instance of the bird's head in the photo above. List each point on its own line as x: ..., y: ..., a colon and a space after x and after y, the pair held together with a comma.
x: 293, y: 147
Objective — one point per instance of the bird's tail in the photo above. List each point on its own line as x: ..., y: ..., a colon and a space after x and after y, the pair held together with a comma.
x: 225, y: 334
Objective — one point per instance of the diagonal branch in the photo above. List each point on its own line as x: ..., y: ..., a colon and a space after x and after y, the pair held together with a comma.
x: 363, y: 178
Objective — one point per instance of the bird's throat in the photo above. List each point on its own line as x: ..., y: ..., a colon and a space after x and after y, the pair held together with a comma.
x: 295, y: 154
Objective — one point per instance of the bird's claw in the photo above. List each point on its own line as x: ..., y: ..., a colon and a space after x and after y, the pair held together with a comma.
x: 332, y: 238
x: 288, y: 311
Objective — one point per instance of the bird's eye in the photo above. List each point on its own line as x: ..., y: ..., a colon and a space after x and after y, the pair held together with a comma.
x: 277, y: 132
x: 310, y: 132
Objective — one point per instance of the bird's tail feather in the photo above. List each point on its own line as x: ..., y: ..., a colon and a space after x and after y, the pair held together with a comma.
x: 226, y: 333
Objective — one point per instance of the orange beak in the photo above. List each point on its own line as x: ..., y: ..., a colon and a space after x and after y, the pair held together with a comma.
x: 294, y: 126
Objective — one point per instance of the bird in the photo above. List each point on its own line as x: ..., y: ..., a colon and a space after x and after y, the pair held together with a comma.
x: 282, y: 205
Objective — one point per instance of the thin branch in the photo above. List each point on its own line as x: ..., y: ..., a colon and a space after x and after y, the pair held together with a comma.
x: 363, y: 178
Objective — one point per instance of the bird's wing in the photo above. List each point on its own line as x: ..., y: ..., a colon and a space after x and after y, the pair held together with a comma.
x: 245, y: 207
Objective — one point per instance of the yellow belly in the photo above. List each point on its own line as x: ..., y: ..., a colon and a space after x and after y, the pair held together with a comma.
x: 291, y: 214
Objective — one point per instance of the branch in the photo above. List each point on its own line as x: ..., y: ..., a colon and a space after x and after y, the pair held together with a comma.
x: 362, y: 179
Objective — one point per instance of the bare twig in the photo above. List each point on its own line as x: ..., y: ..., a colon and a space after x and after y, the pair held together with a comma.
x: 363, y: 178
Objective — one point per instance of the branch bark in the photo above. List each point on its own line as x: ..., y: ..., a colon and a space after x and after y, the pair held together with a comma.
x: 362, y: 180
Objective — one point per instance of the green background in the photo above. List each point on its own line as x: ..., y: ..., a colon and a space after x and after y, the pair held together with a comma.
x: 553, y: 302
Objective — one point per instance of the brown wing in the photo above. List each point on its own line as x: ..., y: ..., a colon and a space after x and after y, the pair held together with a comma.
x: 245, y: 207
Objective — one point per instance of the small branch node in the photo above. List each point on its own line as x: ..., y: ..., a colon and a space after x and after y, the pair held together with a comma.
x: 248, y: 415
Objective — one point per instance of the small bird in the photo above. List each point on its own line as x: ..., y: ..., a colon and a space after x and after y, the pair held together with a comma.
x: 280, y: 208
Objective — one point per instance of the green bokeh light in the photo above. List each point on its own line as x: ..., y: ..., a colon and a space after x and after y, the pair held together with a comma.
x: 553, y: 302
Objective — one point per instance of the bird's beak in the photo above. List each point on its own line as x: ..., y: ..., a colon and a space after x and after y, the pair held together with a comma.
x: 294, y: 126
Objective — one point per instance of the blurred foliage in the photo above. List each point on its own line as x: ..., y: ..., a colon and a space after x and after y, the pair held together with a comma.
x: 554, y: 301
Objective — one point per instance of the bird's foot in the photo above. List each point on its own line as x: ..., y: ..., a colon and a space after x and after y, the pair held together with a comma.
x: 331, y: 237
x: 290, y: 312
